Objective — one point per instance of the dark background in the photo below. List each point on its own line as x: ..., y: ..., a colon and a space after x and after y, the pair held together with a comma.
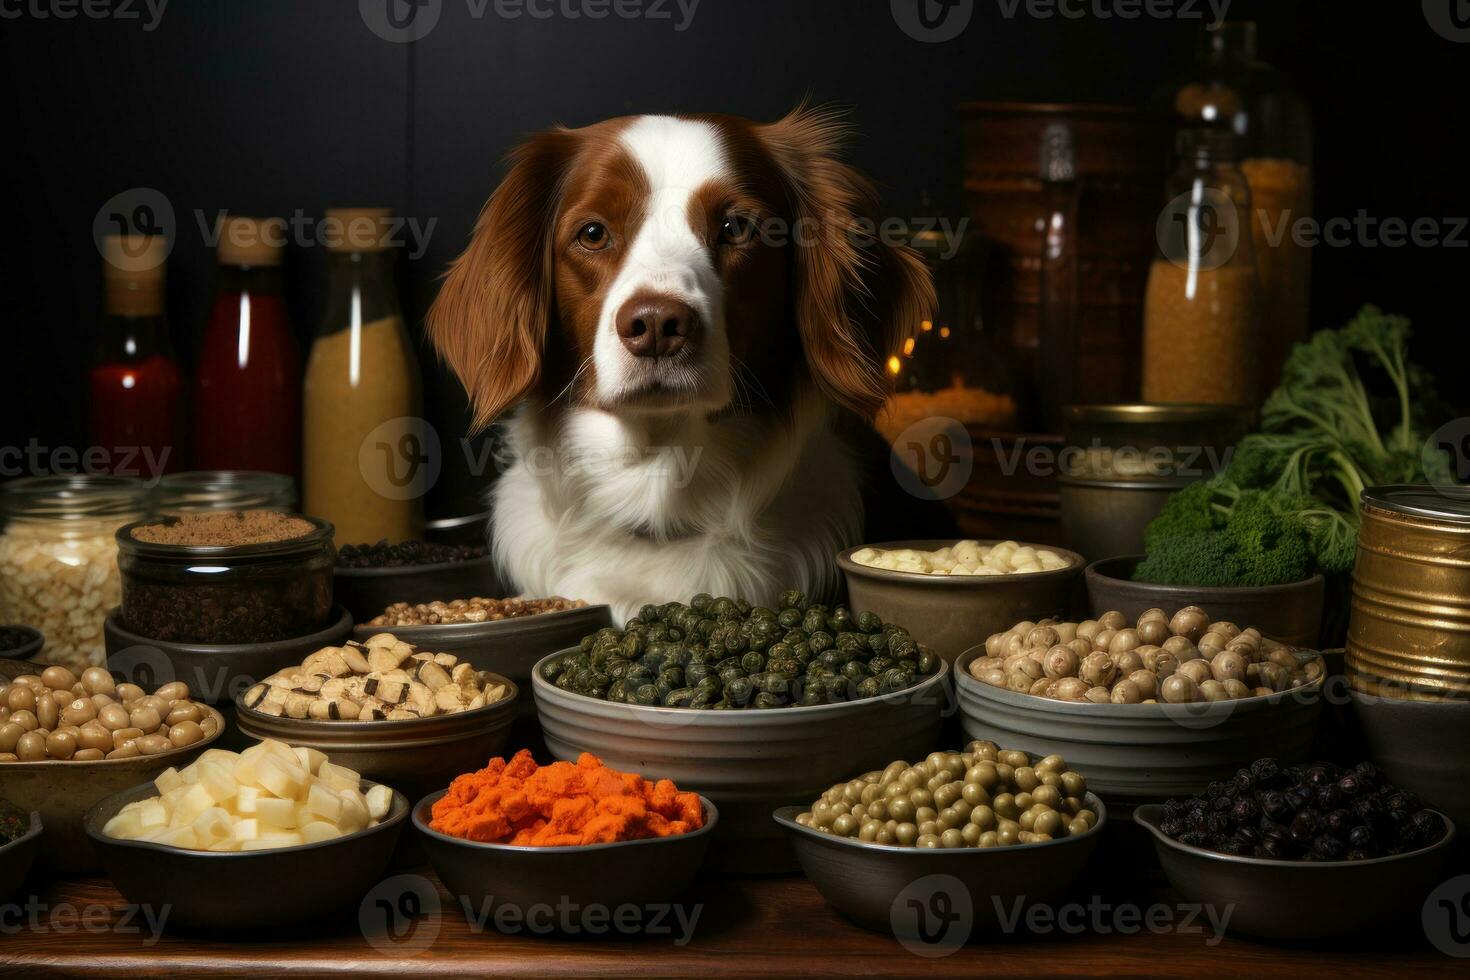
x: 271, y: 107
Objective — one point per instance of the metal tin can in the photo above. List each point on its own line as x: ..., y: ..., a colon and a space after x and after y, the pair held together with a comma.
x: 1409, y: 631
x: 1107, y: 518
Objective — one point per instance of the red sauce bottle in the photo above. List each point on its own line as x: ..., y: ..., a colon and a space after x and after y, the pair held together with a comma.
x: 133, y: 382
x: 247, y: 391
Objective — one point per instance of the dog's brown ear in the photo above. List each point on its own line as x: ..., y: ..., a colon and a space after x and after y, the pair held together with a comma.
x: 857, y: 296
x: 491, y: 317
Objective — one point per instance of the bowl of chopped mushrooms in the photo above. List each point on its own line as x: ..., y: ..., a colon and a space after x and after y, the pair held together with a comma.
x: 394, y: 712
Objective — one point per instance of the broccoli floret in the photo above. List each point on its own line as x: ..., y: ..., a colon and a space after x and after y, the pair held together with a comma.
x: 1217, y: 534
x: 1187, y: 513
x: 1273, y: 544
x: 1204, y: 558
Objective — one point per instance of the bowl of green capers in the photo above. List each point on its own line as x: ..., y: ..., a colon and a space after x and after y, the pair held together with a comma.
x: 983, y: 833
x: 750, y: 706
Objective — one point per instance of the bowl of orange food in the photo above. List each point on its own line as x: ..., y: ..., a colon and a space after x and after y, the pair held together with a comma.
x: 568, y: 847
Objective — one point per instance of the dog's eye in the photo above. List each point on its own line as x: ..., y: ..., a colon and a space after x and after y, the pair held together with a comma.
x: 594, y: 236
x: 737, y: 229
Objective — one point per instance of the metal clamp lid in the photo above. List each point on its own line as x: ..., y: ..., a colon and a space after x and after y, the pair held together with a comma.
x: 1442, y: 503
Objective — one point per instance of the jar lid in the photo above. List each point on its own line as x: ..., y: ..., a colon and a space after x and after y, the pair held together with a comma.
x: 358, y: 229
x: 250, y: 241
x: 132, y: 274
x: 134, y: 257
x: 1148, y: 413
x: 225, y: 490
x: 74, y: 497
x: 1421, y: 500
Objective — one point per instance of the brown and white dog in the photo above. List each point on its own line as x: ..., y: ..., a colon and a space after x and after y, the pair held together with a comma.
x: 686, y: 312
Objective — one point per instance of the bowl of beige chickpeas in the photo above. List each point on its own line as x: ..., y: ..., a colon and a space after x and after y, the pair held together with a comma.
x: 950, y: 592
x: 1160, y: 705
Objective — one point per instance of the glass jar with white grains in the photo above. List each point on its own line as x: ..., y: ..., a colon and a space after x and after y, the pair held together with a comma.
x: 58, y: 558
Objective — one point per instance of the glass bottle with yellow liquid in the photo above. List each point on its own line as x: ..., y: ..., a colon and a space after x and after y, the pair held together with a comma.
x: 364, y: 466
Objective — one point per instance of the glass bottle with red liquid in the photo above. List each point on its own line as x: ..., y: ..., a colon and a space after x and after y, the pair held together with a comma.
x: 133, y: 381
x: 247, y: 390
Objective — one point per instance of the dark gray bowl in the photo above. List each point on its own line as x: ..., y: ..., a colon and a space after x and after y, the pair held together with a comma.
x: 1420, y: 746
x: 1290, y: 613
x: 1300, y: 900
x: 17, y: 857
x: 415, y: 755
x: 640, y: 873
x: 216, y: 672
x: 865, y: 882
x: 366, y: 592
x: 29, y: 648
x: 509, y: 647
x: 246, y: 891
x: 751, y: 761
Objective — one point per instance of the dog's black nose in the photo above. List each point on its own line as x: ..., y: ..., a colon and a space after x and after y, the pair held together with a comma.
x: 655, y: 326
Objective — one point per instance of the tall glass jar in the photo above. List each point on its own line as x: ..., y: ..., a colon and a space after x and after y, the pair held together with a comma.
x: 1230, y: 87
x: 58, y: 559
x: 134, y: 387
x: 247, y: 385
x: 183, y: 493
x: 364, y: 461
x: 948, y: 367
x: 1201, y: 317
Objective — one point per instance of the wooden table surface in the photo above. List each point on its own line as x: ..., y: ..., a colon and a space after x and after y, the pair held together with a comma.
x: 747, y: 927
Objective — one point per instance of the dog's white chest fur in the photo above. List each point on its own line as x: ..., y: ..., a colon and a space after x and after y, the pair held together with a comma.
x: 627, y: 511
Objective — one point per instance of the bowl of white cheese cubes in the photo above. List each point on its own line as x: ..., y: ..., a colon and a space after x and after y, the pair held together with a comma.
x: 270, y: 838
x: 952, y: 594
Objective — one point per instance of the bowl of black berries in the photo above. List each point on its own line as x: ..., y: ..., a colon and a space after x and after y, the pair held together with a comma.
x: 371, y: 577
x: 1302, y: 853
x: 752, y: 706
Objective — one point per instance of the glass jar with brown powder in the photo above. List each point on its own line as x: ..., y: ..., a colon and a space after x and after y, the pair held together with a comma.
x: 1201, y: 333
x: 1231, y: 88
x: 251, y: 576
x: 365, y: 464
